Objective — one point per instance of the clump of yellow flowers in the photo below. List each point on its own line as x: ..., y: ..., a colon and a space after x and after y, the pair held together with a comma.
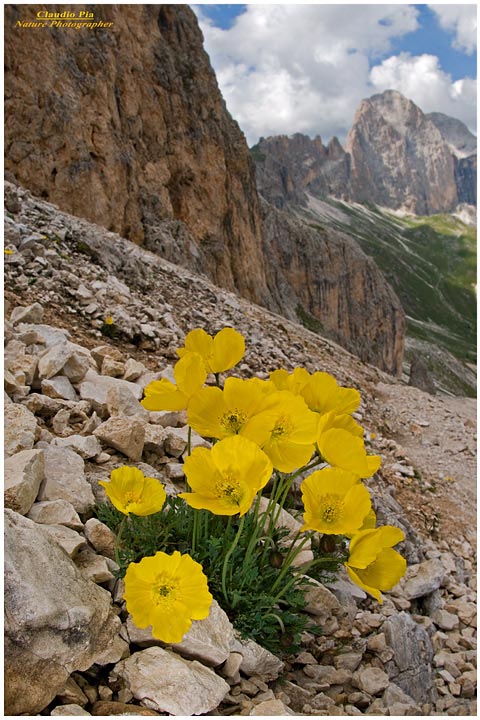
x: 265, y: 434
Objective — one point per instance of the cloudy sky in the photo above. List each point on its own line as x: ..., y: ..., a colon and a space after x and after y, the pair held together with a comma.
x: 304, y: 68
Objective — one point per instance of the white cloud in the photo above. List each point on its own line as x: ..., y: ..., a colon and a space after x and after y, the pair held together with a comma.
x: 462, y: 20
x: 305, y: 68
x: 421, y: 79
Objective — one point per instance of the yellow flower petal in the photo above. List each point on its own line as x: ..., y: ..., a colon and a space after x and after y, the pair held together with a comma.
x: 287, y: 456
x: 163, y: 395
x: 322, y: 394
x: 380, y: 575
x: 335, y: 502
x: 365, y: 545
x: 294, y: 381
x: 226, y: 478
x: 167, y: 592
x: 197, y: 341
x: 220, y: 353
x: 190, y: 374
x: 131, y: 492
x: 207, y: 414
x: 228, y: 350
x: 343, y: 450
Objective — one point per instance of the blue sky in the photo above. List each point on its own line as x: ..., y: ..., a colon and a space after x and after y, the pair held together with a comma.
x: 305, y: 68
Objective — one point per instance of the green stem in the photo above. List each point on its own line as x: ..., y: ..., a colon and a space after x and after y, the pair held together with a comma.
x: 228, y: 556
x: 118, y: 539
x: 290, y: 557
x: 303, y: 570
x: 189, y: 440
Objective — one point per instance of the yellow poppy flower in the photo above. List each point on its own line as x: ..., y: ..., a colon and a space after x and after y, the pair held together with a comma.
x: 237, y: 410
x: 190, y: 376
x: 167, y: 592
x: 131, y: 492
x: 341, y: 422
x: 343, y: 450
x: 373, y: 565
x: 290, y: 444
x: 322, y: 394
x: 108, y: 320
x: 8, y: 251
x: 335, y: 502
x: 219, y: 353
x: 226, y: 478
x: 294, y: 381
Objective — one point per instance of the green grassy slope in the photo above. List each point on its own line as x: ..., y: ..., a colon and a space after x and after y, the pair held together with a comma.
x: 429, y: 261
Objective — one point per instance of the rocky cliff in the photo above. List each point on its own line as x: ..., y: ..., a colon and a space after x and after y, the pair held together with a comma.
x: 126, y: 127
x: 395, y: 156
x: 335, y: 289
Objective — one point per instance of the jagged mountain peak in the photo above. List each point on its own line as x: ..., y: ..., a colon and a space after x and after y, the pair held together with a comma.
x: 461, y: 141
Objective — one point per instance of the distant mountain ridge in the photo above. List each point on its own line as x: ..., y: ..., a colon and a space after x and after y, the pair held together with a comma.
x: 395, y: 156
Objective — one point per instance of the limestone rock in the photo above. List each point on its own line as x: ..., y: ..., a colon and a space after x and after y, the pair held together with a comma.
x: 270, y: 707
x: 120, y: 400
x: 24, y: 473
x: 69, y: 710
x: 371, y: 680
x: 55, y: 512
x: 423, y: 578
x: 85, y: 446
x: 20, y: 427
x: 207, y: 640
x: 63, y: 358
x: 151, y: 674
x: 111, y: 707
x: 64, y: 479
x: 256, y: 659
x: 124, y: 434
x: 59, y: 386
x: 93, y: 566
x: 101, y: 537
x: 411, y: 665
x: 68, y: 539
x: 56, y: 621
x: 420, y: 376
x: 30, y: 314
x: 95, y: 387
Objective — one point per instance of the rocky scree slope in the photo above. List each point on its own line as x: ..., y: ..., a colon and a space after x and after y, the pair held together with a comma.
x: 72, y: 414
x: 127, y: 128
x: 394, y: 156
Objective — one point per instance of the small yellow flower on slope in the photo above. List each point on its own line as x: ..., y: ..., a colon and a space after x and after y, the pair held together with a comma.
x: 292, y: 437
x: 343, y: 450
x: 373, y: 565
x: 190, y: 375
x: 131, y: 492
x: 167, y: 592
x: 237, y: 410
x: 336, y: 503
x: 220, y: 353
x: 108, y: 320
x: 226, y: 478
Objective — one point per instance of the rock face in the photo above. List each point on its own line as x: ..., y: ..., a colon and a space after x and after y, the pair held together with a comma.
x: 55, y: 620
x: 327, y: 281
x: 153, y: 141
x: 399, y: 157
x: 394, y: 156
x: 162, y: 163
